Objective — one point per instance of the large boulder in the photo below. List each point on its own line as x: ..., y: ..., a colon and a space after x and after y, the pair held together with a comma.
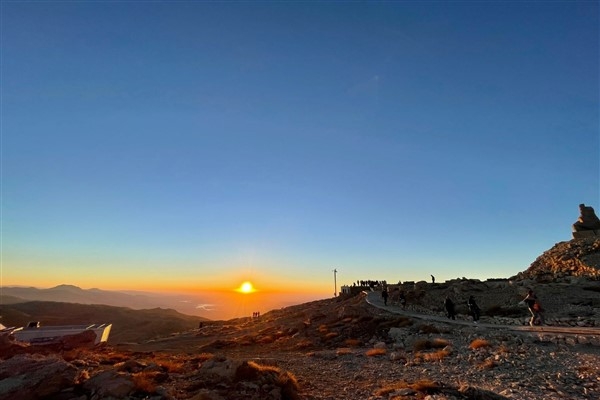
x: 31, y: 376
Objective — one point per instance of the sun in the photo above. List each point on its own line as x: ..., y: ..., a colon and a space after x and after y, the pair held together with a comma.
x: 246, y: 288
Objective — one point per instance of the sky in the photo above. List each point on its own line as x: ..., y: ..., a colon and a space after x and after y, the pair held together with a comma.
x: 189, y: 146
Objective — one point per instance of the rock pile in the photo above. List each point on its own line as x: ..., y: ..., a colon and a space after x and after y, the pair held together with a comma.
x: 574, y: 258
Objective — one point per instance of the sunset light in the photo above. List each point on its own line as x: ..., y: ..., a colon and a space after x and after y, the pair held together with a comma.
x: 246, y: 288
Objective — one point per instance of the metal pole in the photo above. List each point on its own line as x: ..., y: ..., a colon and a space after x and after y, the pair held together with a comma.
x: 334, y: 283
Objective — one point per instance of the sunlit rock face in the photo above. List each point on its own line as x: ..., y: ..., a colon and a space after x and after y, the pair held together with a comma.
x: 574, y: 258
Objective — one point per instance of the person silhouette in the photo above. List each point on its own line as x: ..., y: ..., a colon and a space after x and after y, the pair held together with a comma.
x: 473, y: 308
x: 384, y: 294
x: 449, y: 306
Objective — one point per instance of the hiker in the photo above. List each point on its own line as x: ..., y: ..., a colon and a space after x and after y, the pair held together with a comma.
x: 432, y: 279
x: 449, y: 306
x: 534, y: 307
x: 402, y: 300
x: 384, y: 294
x: 473, y: 309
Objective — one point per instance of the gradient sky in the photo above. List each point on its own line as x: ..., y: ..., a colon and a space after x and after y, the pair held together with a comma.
x: 188, y: 146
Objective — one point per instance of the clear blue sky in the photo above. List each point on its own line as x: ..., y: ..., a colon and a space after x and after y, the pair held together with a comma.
x: 185, y: 144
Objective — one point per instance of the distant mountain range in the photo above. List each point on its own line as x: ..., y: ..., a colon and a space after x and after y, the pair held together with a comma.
x: 216, y: 305
x: 74, y: 294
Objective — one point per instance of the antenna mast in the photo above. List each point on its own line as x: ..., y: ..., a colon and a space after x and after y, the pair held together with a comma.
x: 334, y: 283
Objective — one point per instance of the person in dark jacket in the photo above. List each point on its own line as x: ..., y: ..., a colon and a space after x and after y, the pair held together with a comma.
x: 473, y: 309
x: 449, y: 306
x: 384, y: 294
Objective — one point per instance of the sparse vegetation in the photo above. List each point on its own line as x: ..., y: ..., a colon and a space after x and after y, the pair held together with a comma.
x: 479, y: 343
x: 252, y: 371
x: 304, y: 344
x: 144, y: 382
x: 375, y: 352
x: 487, y: 364
x: 343, y: 351
x: 331, y: 335
x: 433, y: 356
x: 171, y: 365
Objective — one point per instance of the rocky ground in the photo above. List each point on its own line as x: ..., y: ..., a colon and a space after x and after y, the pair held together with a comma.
x: 344, y: 348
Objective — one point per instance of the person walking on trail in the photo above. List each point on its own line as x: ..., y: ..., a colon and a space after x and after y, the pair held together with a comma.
x: 449, y: 306
x: 473, y: 309
x: 384, y: 294
x: 432, y: 279
x: 534, y: 307
x: 402, y: 300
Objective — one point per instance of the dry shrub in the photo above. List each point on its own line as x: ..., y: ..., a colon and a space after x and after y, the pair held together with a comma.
x: 252, y: 371
x: 114, y: 358
x: 289, y: 386
x: 343, y: 351
x: 82, y: 376
x: 144, y: 382
x: 352, y: 342
x: 170, y: 365
x: 435, y: 356
x: 479, y: 343
x: 265, y: 339
x: 331, y: 335
x: 303, y: 344
x: 246, y: 340
x: 375, y: 352
x: 487, y: 364
x: 425, y: 386
x: 503, y: 349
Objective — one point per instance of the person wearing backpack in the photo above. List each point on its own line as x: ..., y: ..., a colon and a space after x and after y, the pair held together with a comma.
x: 535, y: 308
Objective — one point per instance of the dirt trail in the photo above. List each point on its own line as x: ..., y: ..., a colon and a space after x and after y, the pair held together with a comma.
x: 374, y: 299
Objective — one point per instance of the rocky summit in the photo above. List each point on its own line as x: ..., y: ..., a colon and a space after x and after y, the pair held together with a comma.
x: 352, y: 347
x: 567, y: 260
